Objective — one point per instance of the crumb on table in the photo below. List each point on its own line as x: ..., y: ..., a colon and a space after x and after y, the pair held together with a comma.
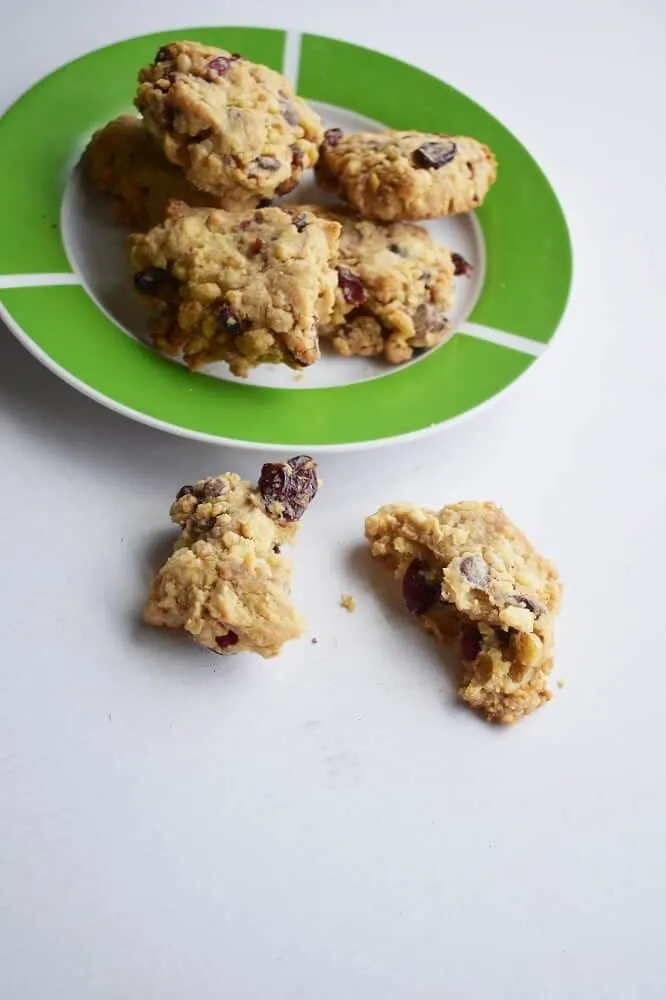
x: 561, y: 682
x: 347, y: 602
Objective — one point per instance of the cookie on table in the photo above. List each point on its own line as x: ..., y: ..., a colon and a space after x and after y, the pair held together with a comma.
x: 227, y: 582
x: 395, y: 289
x: 475, y: 582
x: 402, y: 176
x: 228, y: 122
x: 124, y: 160
x: 247, y: 289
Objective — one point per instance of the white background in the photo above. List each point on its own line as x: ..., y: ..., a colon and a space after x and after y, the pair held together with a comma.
x: 331, y: 824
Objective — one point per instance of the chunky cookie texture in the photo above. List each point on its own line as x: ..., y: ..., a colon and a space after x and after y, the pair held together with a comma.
x: 474, y: 581
x: 399, y: 176
x: 228, y: 122
x: 227, y: 582
x: 395, y: 289
x: 124, y: 160
x: 242, y: 288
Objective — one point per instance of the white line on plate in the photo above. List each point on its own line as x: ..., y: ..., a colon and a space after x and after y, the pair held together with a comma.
x: 523, y: 344
x: 33, y: 280
x: 292, y: 57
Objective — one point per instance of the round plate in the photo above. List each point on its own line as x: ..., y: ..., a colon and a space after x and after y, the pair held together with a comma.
x: 65, y: 288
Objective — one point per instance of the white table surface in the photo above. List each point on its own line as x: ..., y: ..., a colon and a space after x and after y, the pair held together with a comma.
x: 331, y: 824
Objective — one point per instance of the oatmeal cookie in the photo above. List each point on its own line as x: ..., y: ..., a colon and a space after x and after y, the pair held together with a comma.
x: 124, y: 160
x: 227, y: 582
x: 398, y: 176
x: 228, y: 122
x: 242, y: 288
x: 474, y: 581
x: 395, y: 288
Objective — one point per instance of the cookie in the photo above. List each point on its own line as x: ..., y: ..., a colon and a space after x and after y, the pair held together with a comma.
x: 227, y: 582
x: 395, y: 289
x: 398, y: 176
x: 124, y: 160
x: 228, y: 122
x: 475, y: 582
x: 246, y: 288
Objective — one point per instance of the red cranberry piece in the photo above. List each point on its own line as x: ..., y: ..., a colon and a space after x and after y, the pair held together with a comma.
x: 185, y: 491
x: 267, y: 163
x: 287, y: 488
x: 332, y: 136
x: 461, y: 266
x: 150, y: 281
x: 228, y: 321
x: 476, y: 571
x: 470, y: 642
x: 419, y: 588
x: 221, y: 65
x: 434, y: 155
x: 224, y: 641
x: 351, y: 286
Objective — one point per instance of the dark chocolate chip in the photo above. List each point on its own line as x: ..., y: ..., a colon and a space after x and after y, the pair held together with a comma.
x: 434, y: 155
x: 420, y: 588
x: 212, y: 488
x: 476, y: 571
x: 530, y: 603
x: 300, y: 222
x: 270, y: 163
x: 228, y: 321
x: 152, y: 280
x: 162, y: 55
x: 289, y: 113
x: 428, y: 318
x: 470, y: 642
x: 185, y: 491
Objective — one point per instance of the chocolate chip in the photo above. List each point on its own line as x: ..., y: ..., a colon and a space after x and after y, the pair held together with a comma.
x: 228, y: 321
x: 470, y: 642
x: 224, y: 641
x: 297, y: 157
x: 289, y: 113
x: 300, y: 221
x: 476, y: 571
x: 332, y: 136
x: 287, y: 488
x: 351, y: 286
x: 460, y: 265
x: 211, y: 489
x: 221, y: 65
x: 394, y: 248
x: 428, y: 318
x: 420, y: 588
x: 185, y: 491
x: 434, y: 155
x: 530, y: 603
x: 204, y: 525
x: 163, y: 55
x: 286, y: 186
x: 152, y: 280
x: 276, y: 549
x: 267, y: 163
x: 265, y: 202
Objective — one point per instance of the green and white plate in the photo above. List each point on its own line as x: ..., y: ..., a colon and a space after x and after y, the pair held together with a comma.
x: 65, y: 290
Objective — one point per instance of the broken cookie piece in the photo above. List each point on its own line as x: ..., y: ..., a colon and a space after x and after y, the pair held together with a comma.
x: 475, y: 582
x: 227, y: 582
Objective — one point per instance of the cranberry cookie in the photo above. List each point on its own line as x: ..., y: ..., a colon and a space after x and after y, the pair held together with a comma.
x: 395, y: 289
x: 398, y: 176
x: 242, y: 288
x: 474, y: 581
x: 228, y: 122
x: 227, y: 582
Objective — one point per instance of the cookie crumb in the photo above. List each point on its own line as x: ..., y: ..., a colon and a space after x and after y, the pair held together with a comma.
x: 299, y: 376
x: 347, y: 602
x: 314, y: 640
x: 561, y: 682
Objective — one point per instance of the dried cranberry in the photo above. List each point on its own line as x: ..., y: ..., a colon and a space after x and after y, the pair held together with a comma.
x: 224, y: 641
x: 151, y: 280
x: 300, y: 221
x: 460, y: 265
x: 286, y: 186
x: 470, y: 642
x: 419, y: 587
x: 530, y: 603
x: 434, y: 155
x: 332, y: 136
x: 267, y: 163
x: 475, y: 570
x: 256, y: 246
x: 287, y: 488
x: 245, y: 224
x: 221, y: 65
x: 184, y: 491
x: 351, y: 286
x: 228, y: 321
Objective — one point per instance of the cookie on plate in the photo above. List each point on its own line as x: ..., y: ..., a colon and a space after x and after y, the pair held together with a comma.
x: 124, y: 160
x: 398, y: 176
x: 228, y: 122
x: 227, y: 582
x: 474, y: 581
x: 395, y: 289
x: 245, y: 288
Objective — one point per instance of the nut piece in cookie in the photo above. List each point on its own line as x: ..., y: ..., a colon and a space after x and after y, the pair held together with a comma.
x: 227, y: 582
x: 475, y: 582
x: 228, y: 122
x: 395, y: 288
x: 246, y: 288
x: 402, y: 176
